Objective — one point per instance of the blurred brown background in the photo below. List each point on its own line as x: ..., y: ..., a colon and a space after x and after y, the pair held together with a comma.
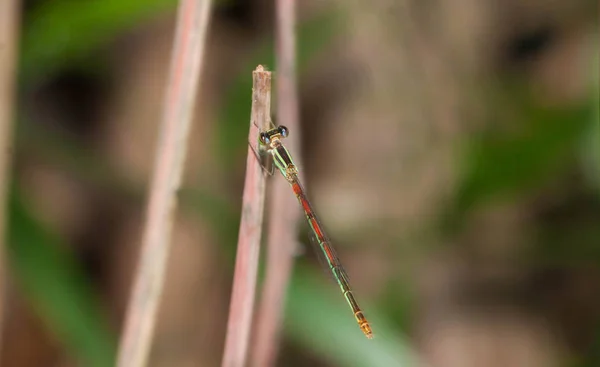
x: 451, y: 147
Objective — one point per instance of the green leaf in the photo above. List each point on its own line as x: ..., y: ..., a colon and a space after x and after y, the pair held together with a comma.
x: 591, y: 145
x: 57, y: 288
x: 61, y: 32
x: 513, y: 163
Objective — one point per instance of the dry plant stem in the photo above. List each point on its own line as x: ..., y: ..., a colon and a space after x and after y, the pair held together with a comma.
x: 246, y: 261
x: 186, y: 61
x: 284, y: 211
x: 9, y: 21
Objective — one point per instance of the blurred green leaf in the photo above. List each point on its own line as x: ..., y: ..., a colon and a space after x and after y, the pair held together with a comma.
x: 60, y: 32
x: 318, y: 317
x: 569, y: 244
x: 591, y: 144
x: 398, y: 303
x: 512, y: 163
x: 593, y: 359
x: 57, y: 287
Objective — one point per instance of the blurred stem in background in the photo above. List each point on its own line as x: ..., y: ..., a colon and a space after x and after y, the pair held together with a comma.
x: 9, y: 36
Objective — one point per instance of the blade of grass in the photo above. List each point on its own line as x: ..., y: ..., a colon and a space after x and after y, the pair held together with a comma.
x: 284, y: 212
x: 248, y: 248
x: 186, y: 60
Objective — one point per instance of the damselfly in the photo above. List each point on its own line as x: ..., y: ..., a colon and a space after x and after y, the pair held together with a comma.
x: 270, y: 142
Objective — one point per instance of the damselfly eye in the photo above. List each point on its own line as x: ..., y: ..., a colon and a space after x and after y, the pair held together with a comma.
x: 283, y: 131
x: 264, y: 138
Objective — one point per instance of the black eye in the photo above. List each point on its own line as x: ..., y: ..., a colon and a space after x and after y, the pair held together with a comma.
x: 283, y: 131
x: 264, y: 138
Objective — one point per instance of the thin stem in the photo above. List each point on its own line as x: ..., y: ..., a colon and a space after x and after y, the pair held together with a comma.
x: 9, y: 22
x: 180, y: 97
x: 284, y: 210
x: 246, y: 262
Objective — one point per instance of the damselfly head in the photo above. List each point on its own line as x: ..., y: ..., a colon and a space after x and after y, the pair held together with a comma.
x: 267, y: 137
